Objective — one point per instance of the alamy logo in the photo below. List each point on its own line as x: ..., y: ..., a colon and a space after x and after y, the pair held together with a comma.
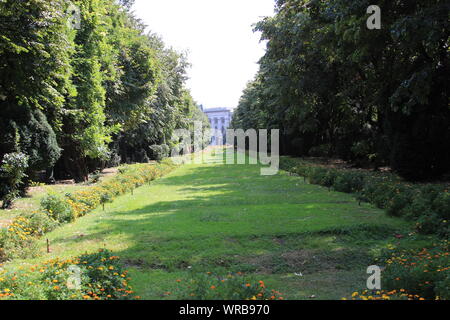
x: 74, y: 280
x: 255, y: 142
x: 74, y: 16
x: 374, y: 281
x: 374, y: 21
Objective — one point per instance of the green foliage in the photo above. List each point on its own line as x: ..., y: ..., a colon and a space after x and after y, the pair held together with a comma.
x: 349, y: 182
x: 57, y: 208
x: 40, y: 223
x: 336, y: 89
x: 68, y: 208
x: 274, y: 239
x: 97, y: 276
x: 76, y: 98
x: 17, y: 240
x: 34, y: 78
x: 426, y: 204
x: 160, y: 152
x: 206, y: 286
x: 423, y: 273
x: 12, y: 173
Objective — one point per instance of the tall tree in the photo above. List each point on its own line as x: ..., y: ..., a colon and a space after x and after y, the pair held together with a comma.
x: 336, y: 88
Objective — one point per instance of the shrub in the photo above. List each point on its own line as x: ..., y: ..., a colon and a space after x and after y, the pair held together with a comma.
x: 321, y: 151
x: 349, y: 182
x: 12, y: 171
x: 18, y: 240
x: 413, y: 275
x: 207, y: 286
x: 417, y: 207
x: 98, y: 276
x: 428, y: 205
x: 422, y: 273
x: 82, y: 202
x: 441, y: 205
x: 40, y: 223
x: 159, y: 151
x: 318, y: 176
x: 58, y: 208
x: 115, y: 160
x: 429, y: 223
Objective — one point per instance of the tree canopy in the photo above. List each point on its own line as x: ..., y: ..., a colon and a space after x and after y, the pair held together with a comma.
x: 82, y: 85
x: 337, y: 89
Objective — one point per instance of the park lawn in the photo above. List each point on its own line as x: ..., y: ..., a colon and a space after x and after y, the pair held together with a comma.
x: 228, y: 218
x: 32, y: 200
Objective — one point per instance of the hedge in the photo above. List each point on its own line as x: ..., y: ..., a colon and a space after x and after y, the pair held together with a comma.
x: 18, y: 240
x: 412, y: 274
x: 426, y: 204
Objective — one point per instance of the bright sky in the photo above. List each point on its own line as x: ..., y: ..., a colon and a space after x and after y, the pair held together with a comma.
x: 218, y: 37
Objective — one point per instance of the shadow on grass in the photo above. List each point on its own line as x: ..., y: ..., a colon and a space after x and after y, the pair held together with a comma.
x: 231, y: 213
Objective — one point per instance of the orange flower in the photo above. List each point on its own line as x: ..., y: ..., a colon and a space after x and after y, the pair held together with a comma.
x: 213, y: 287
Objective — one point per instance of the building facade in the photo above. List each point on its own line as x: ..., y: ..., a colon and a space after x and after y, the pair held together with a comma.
x: 220, y: 120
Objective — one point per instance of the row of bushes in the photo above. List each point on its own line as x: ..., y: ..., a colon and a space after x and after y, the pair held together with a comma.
x: 426, y: 204
x: 421, y: 273
x: 18, y: 240
x: 98, y: 276
x: 71, y: 206
x: 413, y: 275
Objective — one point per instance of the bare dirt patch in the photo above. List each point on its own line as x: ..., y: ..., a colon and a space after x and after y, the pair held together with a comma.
x: 305, y: 261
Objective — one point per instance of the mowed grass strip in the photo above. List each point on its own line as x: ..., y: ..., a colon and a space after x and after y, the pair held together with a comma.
x: 229, y: 218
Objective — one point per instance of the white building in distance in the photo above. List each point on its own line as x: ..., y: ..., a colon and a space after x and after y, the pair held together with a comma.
x: 220, y: 120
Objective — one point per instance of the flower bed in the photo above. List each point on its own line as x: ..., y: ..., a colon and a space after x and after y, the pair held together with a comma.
x: 18, y: 240
x: 427, y: 204
x: 413, y: 275
x: 97, y: 276
x: 79, y: 204
x: 207, y: 286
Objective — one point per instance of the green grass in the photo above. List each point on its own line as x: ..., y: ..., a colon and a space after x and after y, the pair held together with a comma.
x: 217, y: 218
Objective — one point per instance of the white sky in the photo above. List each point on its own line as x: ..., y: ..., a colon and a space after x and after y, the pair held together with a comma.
x: 218, y: 37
